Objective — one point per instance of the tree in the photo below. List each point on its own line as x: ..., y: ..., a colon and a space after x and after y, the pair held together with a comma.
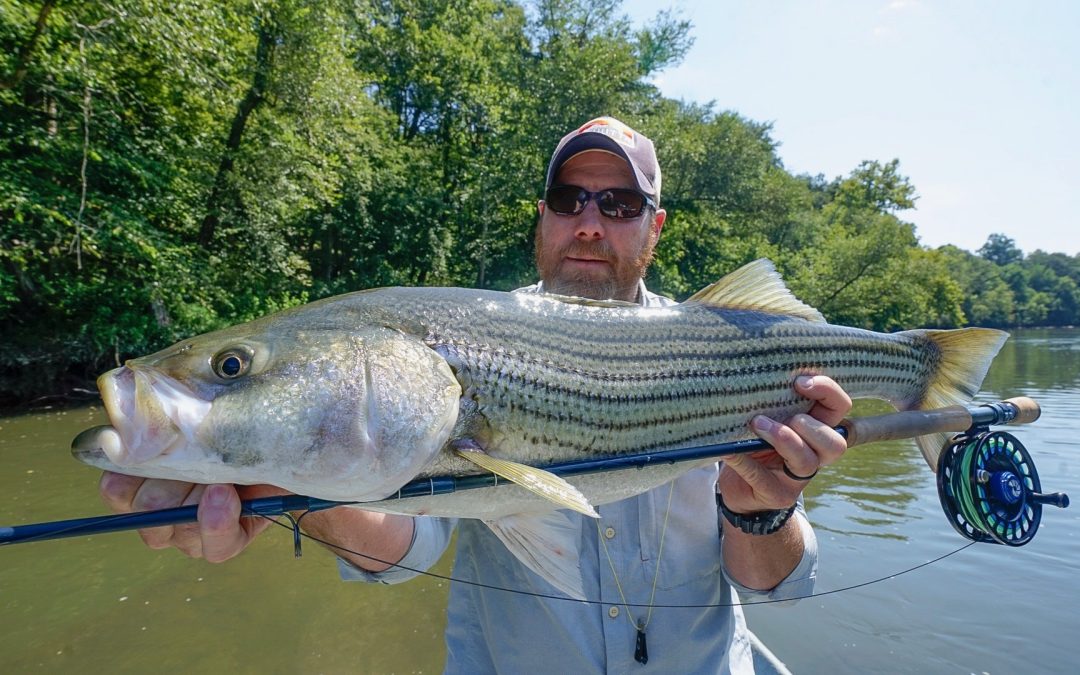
x: 1000, y: 250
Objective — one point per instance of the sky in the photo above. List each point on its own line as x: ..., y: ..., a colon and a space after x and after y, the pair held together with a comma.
x: 979, y: 100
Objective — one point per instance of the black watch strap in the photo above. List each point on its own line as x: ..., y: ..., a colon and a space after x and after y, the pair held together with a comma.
x: 762, y: 522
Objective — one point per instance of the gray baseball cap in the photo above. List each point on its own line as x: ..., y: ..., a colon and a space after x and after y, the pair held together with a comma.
x: 611, y: 135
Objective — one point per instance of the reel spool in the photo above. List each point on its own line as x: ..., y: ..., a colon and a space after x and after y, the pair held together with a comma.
x: 990, y: 490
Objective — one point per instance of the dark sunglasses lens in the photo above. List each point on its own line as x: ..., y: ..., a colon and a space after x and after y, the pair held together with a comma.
x: 621, y: 203
x: 567, y: 199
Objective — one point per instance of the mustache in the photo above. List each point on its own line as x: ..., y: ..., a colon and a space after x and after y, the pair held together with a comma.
x: 600, y: 250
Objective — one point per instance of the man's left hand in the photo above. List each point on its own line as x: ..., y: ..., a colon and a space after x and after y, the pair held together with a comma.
x: 758, y: 481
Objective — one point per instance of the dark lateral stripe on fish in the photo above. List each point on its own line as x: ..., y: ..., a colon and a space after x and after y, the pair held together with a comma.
x: 475, y: 373
x: 545, y: 368
x: 650, y: 400
x: 896, y: 352
x: 616, y: 436
x: 473, y: 353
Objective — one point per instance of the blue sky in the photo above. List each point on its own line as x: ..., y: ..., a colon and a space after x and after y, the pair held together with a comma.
x: 980, y: 101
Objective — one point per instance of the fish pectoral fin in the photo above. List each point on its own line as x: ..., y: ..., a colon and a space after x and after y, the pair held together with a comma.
x: 547, y: 544
x: 542, y: 483
x: 755, y: 286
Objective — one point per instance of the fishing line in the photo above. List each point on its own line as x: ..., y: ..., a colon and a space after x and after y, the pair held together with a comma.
x: 548, y: 596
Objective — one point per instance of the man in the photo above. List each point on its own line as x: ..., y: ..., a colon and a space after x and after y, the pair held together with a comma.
x: 647, y: 556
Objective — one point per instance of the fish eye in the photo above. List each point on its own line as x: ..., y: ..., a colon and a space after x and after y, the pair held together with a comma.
x: 232, y: 363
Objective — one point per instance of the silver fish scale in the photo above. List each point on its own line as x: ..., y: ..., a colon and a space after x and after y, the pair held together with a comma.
x: 557, y: 381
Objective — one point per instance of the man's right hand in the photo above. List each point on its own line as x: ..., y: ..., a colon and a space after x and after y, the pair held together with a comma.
x: 220, y: 533
x: 367, y: 539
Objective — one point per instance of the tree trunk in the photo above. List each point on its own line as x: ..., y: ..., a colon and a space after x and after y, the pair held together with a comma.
x: 23, y: 61
x: 256, y: 94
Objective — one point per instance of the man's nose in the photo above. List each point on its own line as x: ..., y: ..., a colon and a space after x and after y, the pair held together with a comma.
x: 589, y: 225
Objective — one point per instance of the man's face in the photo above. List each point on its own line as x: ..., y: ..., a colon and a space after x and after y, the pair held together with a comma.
x: 591, y: 255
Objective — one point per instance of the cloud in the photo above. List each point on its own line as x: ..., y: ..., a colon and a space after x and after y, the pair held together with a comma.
x: 901, y: 5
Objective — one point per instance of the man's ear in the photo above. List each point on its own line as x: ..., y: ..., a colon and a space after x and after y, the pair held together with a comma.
x: 540, y: 207
x: 658, y: 222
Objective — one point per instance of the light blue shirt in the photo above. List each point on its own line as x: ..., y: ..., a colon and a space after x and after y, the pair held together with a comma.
x: 492, y: 631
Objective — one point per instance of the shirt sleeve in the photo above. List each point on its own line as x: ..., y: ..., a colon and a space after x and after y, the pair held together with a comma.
x: 800, y: 583
x: 430, y: 539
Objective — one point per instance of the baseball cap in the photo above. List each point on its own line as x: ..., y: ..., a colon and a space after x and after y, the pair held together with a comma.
x: 611, y: 135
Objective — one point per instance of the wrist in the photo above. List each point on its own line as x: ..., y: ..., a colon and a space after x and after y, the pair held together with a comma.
x: 757, y: 522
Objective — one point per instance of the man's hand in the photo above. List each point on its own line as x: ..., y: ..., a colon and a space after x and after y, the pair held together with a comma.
x: 220, y: 533
x: 367, y: 539
x: 757, y: 481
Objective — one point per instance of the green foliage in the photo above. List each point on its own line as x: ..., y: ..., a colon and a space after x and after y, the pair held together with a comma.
x: 166, y: 170
x: 1000, y: 250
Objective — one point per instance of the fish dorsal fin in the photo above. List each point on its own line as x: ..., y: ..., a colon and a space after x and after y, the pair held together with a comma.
x: 539, y: 482
x: 755, y: 286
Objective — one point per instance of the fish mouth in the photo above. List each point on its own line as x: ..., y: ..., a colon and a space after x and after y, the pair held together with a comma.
x: 151, y: 413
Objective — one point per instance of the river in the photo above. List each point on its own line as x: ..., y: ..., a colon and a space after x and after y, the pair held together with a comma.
x: 108, y: 604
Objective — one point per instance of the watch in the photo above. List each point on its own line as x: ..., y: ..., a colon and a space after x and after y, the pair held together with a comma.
x: 761, y: 522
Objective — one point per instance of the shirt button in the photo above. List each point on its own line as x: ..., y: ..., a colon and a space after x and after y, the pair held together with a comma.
x: 610, y: 533
x: 613, y: 612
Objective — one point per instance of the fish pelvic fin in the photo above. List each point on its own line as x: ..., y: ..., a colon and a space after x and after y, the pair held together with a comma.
x: 547, y: 544
x: 755, y: 286
x: 542, y: 483
x: 965, y: 356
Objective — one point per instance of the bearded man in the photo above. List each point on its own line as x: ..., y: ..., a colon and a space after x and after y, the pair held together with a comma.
x: 662, y: 570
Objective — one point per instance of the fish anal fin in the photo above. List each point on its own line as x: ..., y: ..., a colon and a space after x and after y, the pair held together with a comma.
x: 755, y: 286
x: 542, y: 483
x: 547, y: 544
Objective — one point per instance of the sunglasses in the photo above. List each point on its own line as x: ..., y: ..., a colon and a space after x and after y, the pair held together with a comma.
x: 570, y: 200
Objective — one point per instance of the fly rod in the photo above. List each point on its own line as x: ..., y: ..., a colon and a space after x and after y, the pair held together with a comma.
x: 1002, y: 488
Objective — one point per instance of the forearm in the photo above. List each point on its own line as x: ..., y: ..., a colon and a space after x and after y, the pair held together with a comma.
x: 761, y: 562
x: 369, y: 540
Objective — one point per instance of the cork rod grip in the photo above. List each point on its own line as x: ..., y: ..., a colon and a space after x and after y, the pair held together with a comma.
x: 908, y: 424
x: 912, y: 423
x: 1027, y: 410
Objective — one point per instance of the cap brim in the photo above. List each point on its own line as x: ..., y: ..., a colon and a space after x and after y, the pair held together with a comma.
x: 588, y: 142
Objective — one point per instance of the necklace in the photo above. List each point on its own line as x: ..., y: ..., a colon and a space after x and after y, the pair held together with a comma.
x: 641, y: 648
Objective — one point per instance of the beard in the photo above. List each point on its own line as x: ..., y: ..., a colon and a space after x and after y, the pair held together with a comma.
x: 617, y: 279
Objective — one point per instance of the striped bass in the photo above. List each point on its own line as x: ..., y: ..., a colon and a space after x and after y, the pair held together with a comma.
x: 351, y: 397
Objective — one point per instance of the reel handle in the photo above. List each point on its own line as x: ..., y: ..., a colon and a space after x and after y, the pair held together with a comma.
x: 953, y: 419
x: 1058, y: 499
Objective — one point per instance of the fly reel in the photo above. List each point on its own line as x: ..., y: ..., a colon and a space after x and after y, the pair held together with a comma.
x: 989, y: 488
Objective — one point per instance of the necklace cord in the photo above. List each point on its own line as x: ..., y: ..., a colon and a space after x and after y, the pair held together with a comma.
x: 656, y: 573
x: 563, y: 598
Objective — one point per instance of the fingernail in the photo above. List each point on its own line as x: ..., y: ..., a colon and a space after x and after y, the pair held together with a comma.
x: 763, y: 424
x: 805, y: 381
x: 216, y: 495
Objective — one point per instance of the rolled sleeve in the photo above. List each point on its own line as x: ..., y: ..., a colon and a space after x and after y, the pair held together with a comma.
x: 430, y: 539
x: 801, y: 581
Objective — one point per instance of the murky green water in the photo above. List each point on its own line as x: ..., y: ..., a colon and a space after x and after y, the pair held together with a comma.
x: 107, y: 604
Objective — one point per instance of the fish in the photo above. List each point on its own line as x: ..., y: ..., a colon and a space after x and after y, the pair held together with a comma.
x: 348, y: 398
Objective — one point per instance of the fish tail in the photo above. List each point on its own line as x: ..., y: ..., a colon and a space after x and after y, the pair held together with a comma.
x: 964, y: 357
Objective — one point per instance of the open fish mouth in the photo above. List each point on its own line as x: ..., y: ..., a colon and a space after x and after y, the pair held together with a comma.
x: 152, y: 413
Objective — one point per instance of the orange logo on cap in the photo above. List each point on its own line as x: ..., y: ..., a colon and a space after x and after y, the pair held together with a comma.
x: 612, y: 128
x: 609, y: 122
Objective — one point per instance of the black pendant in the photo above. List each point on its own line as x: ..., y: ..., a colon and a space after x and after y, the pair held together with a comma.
x: 641, y: 652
